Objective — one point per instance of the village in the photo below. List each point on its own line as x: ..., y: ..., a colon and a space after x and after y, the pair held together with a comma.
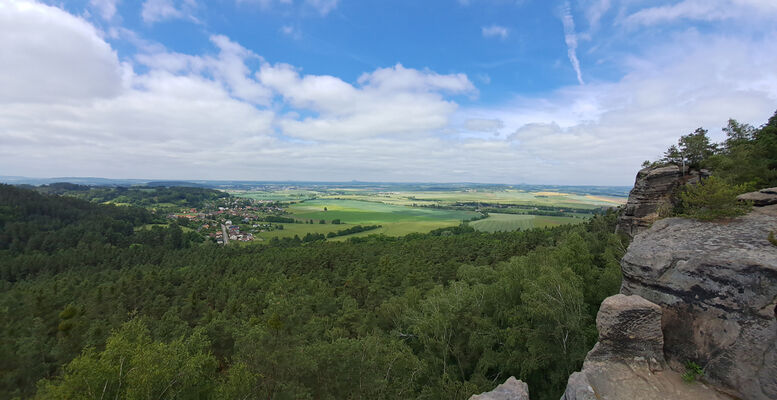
x: 216, y: 221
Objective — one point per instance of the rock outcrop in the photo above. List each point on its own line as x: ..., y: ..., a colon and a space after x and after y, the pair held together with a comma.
x: 763, y: 197
x: 652, y: 193
x: 628, y: 360
x: 692, y: 291
x: 716, y: 283
x: 512, y: 389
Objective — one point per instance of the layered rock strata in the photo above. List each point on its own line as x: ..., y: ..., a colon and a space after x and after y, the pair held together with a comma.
x: 716, y: 283
x: 763, y: 197
x: 652, y: 194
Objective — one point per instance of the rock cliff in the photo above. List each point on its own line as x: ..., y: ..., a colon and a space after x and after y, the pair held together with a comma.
x: 716, y: 283
x: 652, y: 193
x: 692, y: 291
x: 628, y: 361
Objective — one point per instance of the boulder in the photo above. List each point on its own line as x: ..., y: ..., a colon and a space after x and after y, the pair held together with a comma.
x: 761, y: 198
x: 629, y: 328
x: 653, y: 193
x: 716, y: 284
x: 628, y: 361
x: 512, y: 389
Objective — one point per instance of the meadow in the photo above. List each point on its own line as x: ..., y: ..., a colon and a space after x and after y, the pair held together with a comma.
x: 513, y: 222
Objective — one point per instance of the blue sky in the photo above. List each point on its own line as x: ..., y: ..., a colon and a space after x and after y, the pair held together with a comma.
x: 556, y: 92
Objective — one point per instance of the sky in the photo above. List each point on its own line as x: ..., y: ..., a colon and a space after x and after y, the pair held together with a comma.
x: 570, y: 92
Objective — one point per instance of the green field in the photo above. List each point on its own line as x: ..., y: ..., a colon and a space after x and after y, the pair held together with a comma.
x: 395, y: 220
x: 511, y: 222
x: 365, y: 212
x: 401, y: 212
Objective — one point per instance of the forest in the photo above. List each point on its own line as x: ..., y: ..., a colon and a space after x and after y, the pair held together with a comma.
x: 439, y: 315
x: 93, y: 308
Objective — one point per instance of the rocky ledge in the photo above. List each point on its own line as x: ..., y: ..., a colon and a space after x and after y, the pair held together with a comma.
x: 763, y: 197
x: 628, y: 361
x: 716, y: 283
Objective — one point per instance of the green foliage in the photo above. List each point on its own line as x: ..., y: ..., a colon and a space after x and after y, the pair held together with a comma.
x: 747, y: 156
x: 439, y: 315
x: 352, y: 230
x: 772, y: 238
x: 692, y: 372
x: 133, y: 366
x: 692, y: 149
x: 711, y: 199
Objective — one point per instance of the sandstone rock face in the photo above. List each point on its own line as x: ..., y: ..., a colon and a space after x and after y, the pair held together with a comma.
x: 512, y: 389
x: 652, y: 192
x: 628, y: 360
x: 629, y: 327
x: 716, y: 283
x: 763, y: 197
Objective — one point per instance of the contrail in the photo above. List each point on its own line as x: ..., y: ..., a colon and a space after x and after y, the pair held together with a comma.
x: 571, y: 38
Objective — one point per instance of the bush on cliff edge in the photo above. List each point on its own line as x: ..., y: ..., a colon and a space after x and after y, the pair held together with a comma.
x: 712, y: 199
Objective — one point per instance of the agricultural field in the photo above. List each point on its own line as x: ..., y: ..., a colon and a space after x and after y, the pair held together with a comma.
x: 512, y: 222
x: 403, y: 211
x: 509, y: 196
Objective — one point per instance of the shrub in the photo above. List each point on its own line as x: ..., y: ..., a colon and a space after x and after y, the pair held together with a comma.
x: 692, y: 371
x: 711, y: 199
x: 772, y: 239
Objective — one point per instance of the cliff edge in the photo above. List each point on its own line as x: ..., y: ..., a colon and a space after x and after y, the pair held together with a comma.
x: 692, y: 291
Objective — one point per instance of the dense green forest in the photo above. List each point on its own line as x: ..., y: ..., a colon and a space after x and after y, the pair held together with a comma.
x: 439, y: 315
x: 143, y: 196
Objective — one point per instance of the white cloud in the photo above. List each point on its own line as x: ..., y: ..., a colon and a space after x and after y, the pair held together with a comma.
x: 570, y: 37
x: 388, y: 101
x: 495, y: 31
x: 705, y: 10
x: 47, y: 54
x: 162, y: 10
x: 74, y: 109
x: 229, y: 68
x: 106, y: 8
x: 606, y: 129
x: 594, y: 10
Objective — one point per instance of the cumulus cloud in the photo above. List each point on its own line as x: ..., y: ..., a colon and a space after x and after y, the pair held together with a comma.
x: 570, y: 37
x: 495, y: 31
x: 47, y: 54
x: 394, y: 100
